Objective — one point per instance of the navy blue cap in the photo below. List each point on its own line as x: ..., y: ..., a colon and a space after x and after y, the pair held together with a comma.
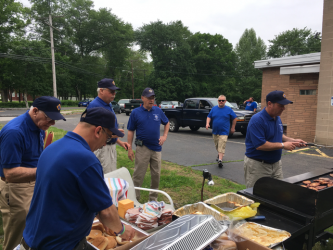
x: 277, y: 96
x: 100, y: 116
x: 148, y: 92
x: 50, y: 105
x: 107, y: 83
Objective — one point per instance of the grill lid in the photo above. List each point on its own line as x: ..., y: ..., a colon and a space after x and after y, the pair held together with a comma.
x: 187, y: 232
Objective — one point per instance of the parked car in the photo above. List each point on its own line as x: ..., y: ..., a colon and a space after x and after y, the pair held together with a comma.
x: 194, y: 114
x: 116, y: 107
x: 235, y: 105
x: 166, y: 105
x: 84, y: 103
x: 122, y: 102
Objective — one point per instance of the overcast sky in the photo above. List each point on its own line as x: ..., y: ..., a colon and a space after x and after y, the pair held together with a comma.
x: 226, y: 17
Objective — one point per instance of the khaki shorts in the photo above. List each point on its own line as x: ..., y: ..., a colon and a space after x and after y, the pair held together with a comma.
x: 220, y: 141
x: 254, y: 170
x: 107, y: 155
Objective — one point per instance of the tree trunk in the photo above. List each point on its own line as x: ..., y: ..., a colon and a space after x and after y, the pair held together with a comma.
x: 25, y: 98
x: 19, y: 95
x: 4, y: 95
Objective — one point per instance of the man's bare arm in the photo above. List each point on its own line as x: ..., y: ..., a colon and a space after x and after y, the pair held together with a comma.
x: 20, y: 174
x: 130, y: 135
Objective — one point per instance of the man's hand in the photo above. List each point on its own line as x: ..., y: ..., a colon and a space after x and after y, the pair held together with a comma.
x: 299, y: 143
x: 130, y: 154
x: 125, y: 145
x: 129, y: 233
x: 207, y: 126
x: 289, y: 145
x: 162, y: 140
x: 232, y: 130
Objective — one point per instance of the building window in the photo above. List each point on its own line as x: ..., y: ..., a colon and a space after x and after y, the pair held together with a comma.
x: 308, y: 92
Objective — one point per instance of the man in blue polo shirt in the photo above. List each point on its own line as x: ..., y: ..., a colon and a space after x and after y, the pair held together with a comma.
x: 21, y: 143
x: 107, y: 155
x: 265, y: 141
x: 70, y: 188
x: 146, y: 121
x: 221, y: 117
x: 250, y: 104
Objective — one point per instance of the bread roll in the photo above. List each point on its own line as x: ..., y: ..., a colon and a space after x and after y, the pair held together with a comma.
x: 112, y: 243
x: 94, y: 234
x: 100, y: 242
x: 98, y: 226
x: 224, y: 245
x: 120, y: 241
x: 223, y: 236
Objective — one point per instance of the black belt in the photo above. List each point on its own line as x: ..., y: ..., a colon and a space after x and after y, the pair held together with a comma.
x: 25, y: 245
x: 111, y: 143
x: 262, y: 161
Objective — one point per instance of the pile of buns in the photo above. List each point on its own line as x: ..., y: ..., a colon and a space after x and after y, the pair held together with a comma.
x: 318, y: 184
x: 103, y: 241
x: 223, y: 243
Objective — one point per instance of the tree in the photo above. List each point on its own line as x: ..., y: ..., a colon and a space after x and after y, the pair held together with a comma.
x: 214, y: 61
x: 294, y: 42
x: 172, y: 58
x: 250, y: 48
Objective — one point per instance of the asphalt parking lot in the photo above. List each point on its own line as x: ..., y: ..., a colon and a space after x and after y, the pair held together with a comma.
x: 196, y: 149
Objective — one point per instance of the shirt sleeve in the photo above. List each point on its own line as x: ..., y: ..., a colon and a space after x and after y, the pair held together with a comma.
x: 256, y: 132
x: 233, y: 115
x: 12, y: 148
x: 131, y: 125
x: 164, y: 119
x: 255, y: 105
x: 210, y: 113
x: 93, y: 188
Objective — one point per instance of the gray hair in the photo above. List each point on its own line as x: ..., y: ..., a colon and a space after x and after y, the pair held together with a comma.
x: 222, y: 96
x: 31, y: 108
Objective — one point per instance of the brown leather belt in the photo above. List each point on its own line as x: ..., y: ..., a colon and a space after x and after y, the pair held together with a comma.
x: 25, y: 245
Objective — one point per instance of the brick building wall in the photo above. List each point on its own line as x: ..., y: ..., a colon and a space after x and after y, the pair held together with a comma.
x: 300, y: 117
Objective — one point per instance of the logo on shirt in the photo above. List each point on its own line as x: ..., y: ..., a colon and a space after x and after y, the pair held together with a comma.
x: 281, y: 128
x: 59, y: 107
x: 155, y: 117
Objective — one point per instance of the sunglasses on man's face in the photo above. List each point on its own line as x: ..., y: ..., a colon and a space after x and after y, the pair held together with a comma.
x: 221, y: 100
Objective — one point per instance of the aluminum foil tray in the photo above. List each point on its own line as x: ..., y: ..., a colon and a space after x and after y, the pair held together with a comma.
x: 188, y: 232
x: 202, y: 208
x: 239, y: 199
x: 237, y: 231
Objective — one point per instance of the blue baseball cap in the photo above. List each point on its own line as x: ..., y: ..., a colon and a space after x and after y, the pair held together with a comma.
x: 100, y: 116
x: 148, y: 92
x: 277, y: 96
x: 107, y: 83
x: 50, y: 105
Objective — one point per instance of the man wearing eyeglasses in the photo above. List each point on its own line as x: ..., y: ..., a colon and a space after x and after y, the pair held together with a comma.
x: 21, y: 144
x: 107, y: 155
x: 221, y: 117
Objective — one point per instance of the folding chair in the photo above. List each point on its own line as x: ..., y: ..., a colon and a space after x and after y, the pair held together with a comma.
x: 124, y: 174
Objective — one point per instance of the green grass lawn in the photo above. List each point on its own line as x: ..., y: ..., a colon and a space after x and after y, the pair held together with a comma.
x: 182, y: 183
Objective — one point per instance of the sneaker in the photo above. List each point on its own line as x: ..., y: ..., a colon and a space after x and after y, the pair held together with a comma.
x: 220, y: 163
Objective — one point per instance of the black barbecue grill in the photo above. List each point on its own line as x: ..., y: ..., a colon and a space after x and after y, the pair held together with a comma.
x: 303, y: 212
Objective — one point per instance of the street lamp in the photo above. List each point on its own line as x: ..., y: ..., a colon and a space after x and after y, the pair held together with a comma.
x: 206, y: 175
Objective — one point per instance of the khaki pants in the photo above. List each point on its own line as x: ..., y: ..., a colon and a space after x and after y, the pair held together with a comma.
x: 220, y: 142
x: 254, y: 170
x: 15, y: 199
x: 143, y: 157
x: 107, y: 155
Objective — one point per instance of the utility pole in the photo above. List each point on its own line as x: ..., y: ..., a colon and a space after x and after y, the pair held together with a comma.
x: 132, y: 76
x: 53, y: 60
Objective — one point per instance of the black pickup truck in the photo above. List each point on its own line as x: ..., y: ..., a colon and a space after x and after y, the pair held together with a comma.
x: 195, y: 111
x: 134, y: 103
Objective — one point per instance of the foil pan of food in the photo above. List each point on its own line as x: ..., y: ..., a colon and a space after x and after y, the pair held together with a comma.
x: 229, y: 202
x: 98, y: 237
x: 193, y: 232
x: 266, y: 236
x: 200, y: 208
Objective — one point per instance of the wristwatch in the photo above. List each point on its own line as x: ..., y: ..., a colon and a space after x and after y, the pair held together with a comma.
x: 282, y: 145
